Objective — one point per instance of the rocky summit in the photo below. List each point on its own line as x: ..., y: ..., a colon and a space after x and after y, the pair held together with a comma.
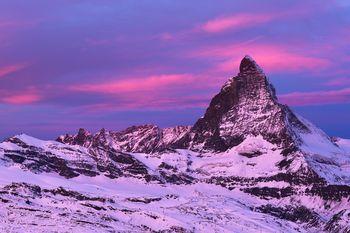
x: 246, y: 105
x: 248, y: 165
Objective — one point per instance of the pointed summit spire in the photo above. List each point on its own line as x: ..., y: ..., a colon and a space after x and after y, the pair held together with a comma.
x: 245, y: 105
x: 248, y: 64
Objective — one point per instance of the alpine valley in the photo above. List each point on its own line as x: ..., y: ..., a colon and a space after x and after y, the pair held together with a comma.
x: 248, y: 165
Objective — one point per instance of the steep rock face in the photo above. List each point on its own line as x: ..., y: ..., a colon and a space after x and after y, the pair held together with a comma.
x: 82, y: 138
x: 246, y: 105
x: 143, y: 138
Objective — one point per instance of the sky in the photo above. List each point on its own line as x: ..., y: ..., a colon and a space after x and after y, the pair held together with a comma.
x: 112, y: 64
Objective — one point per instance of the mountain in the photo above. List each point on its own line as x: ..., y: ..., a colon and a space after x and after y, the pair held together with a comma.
x: 247, y: 105
x: 248, y: 165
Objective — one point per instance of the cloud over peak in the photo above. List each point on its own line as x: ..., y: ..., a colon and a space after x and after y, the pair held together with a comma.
x: 234, y: 22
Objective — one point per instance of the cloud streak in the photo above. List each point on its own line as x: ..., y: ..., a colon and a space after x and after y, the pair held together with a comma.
x: 316, y: 97
x: 271, y: 57
x: 236, y: 22
x: 21, y: 99
x: 151, y: 83
x: 338, y: 82
x: 151, y: 92
x: 4, y: 71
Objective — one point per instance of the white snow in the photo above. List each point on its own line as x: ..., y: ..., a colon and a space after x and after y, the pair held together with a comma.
x: 200, y: 207
x: 233, y: 163
x: 330, y: 160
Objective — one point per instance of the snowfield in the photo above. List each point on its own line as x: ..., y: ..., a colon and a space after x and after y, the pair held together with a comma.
x: 198, y: 207
x: 128, y: 204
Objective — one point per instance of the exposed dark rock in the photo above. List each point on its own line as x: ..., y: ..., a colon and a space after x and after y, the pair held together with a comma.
x: 23, y: 189
x: 251, y: 154
x: 297, y: 178
x: 298, y: 214
x: 144, y: 199
x: 167, y: 167
x: 96, y: 207
x: 73, y: 194
x: 268, y: 192
x: 340, y: 222
x: 285, y: 163
x: 330, y: 192
x: 176, y: 178
x: 15, y: 157
x: 231, y: 182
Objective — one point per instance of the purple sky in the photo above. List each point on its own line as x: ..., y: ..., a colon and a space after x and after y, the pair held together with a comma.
x: 102, y: 63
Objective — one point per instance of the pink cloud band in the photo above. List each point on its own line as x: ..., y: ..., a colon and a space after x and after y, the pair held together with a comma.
x: 271, y: 57
x: 237, y: 21
x: 10, y: 69
x: 316, y: 97
x: 151, y: 83
x: 21, y: 99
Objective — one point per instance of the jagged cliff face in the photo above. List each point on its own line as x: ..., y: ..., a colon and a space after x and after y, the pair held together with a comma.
x: 246, y: 105
x: 249, y: 163
x: 144, y: 138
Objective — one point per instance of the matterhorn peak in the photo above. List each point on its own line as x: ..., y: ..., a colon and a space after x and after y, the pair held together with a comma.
x: 246, y: 105
x: 248, y: 64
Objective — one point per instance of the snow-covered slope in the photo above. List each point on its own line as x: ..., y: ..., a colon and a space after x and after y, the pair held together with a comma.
x: 249, y: 165
x: 241, y: 190
x: 125, y: 205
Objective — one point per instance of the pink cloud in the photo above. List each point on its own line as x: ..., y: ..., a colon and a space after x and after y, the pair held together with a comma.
x: 269, y: 57
x: 316, y: 97
x: 245, y: 20
x: 18, y: 24
x: 242, y: 20
x: 236, y: 22
x: 220, y: 24
x: 153, y: 92
x: 21, y: 99
x: 10, y: 69
x: 338, y: 82
x: 166, y: 36
x: 151, y: 83
x: 155, y: 102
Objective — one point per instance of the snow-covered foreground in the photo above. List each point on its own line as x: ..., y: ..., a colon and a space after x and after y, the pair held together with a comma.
x: 233, y: 191
x: 125, y: 205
